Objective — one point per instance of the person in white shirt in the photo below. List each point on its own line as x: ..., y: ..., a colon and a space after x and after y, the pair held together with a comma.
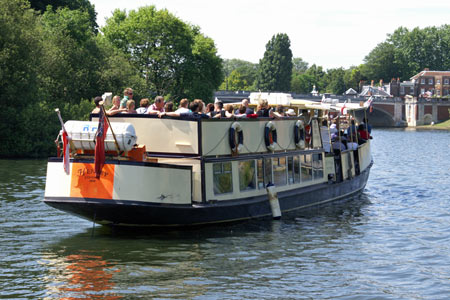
x: 183, y: 107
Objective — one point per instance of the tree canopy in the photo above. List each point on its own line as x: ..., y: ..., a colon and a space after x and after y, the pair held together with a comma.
x: 275, y: 68
x: 172, y: 56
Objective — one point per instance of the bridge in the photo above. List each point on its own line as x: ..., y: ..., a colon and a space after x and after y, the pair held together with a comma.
x: 386, y: 112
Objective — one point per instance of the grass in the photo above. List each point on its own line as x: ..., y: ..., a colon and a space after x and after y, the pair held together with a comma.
x: 443, y: 125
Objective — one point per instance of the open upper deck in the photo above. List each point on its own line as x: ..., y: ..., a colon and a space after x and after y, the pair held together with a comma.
x: 210, y: 137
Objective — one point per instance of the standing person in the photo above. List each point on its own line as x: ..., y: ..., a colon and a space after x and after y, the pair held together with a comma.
x: 144, y: 104
x: 127, y: 95
x: 367, y: 126
x: 157, y: 106
x: 325, y: 135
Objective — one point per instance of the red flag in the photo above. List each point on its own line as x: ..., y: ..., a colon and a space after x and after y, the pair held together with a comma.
x: 66, y: 150
x: 99, y: 160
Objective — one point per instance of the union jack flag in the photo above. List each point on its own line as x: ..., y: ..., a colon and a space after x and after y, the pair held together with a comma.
x: 99, y: 160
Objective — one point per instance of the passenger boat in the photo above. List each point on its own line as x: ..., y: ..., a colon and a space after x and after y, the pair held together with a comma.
x: 180, y: 172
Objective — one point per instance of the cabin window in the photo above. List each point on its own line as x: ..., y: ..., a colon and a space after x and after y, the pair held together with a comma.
x: 430, y: 81
x: 260, y: 171
x: 296, y: 169
x: 422, y: 81
x: 223, y: 179
x: 247, y: 179
x: 438, y: 81
x: 267, y: 171
x: 279, y: 170
x: 306, y: 167
x: 317, y: 166
x: 290, y: 170
x: 446, y: 81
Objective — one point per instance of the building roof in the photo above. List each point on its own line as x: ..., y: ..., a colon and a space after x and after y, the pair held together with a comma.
x: 430, y: 73
x: 351, y: 91
x: 373, y: 91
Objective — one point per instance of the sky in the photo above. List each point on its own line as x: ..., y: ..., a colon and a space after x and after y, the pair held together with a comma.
x: 328, y: 33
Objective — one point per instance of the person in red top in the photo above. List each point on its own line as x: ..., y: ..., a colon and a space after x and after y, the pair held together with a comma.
x: 363, y: 133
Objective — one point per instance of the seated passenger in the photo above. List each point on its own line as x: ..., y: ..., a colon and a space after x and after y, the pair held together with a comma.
x: 290, y: 113
x: 130, y: 107
x: 157, y: 106
x: 144, y: 104
x: 97, y: 101
x: 338, y: 144
x: 279, y: 112
x: 218, y: 110
x: 168, y: 106
x: 209, y: 109
x: 115, y: 108
x: 196, y: 111
x: 241, y: 112
x: 183, y: 107
x: 263, y: 109
x: 351, y: 142
x: 229, y: 111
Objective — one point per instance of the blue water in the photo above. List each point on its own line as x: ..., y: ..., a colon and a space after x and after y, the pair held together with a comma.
x: 391, y: 243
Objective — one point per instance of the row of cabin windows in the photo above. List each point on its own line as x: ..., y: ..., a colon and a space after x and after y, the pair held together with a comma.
x: 258, y: 173
x: 430, y: 81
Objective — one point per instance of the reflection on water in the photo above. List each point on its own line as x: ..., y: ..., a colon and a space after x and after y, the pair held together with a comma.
x: 391, y: 243
x: 79, y: 276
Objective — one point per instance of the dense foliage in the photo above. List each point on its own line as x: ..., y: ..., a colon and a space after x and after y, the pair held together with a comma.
x: 275, y: 68
x: 172, y: 56
x: 55, y: 58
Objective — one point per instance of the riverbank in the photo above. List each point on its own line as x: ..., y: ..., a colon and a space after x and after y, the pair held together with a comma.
x: 440, y: 126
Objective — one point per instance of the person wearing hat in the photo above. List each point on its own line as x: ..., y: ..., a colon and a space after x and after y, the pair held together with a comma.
x: 290, y: 113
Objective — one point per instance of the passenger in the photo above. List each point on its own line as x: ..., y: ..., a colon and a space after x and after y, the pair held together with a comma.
x: 241, y: 112
x: 333, y: 127
x: 363, y: 133
x: 196, y: 107
x: 157, y: 106
x: 218, y: 112
x: 290, y: 113
x: 365, y: 122
x: 168, y: 106
x: 263, y: 109
x: 130, y: 107
x: 351, y: 130
x: 127, y: 95
x: 338, y: 144
x: 144, y: 104
x: 229, y: 111
x: 351, y: 142
x: 97, y: 101
x: 304, y: 115
x: 209, y: 109
x: 183, y: 107
x: 115, y: 109
x: 325, y: 135
x: 248, y: 110
x: 279, y: 112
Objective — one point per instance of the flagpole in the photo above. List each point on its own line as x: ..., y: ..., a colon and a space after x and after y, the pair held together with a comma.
x: 109, y: 125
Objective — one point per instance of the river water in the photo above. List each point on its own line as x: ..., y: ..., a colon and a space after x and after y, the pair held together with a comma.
x: 391, y: 243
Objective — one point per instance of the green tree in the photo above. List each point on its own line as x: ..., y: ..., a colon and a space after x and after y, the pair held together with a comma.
x: 380, y: 63
x: 302, y: 83
x: 299, y: 65
x: 336, y: 83
x: 84, y: 5
x: 248, y: 72
x: 319, y: 77
x: 168, y: 53
x: 20, y: 50
x: 275, y: 68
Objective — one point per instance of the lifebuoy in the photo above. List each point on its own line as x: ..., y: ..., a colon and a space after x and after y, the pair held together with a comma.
x: 270, y: 136
x: 299, y: 134
x: 236, y: 147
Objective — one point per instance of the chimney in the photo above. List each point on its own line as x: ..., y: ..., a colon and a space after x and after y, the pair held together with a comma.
x: 371, y: 83
x: 426, y: 69
x: 381, y: 82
